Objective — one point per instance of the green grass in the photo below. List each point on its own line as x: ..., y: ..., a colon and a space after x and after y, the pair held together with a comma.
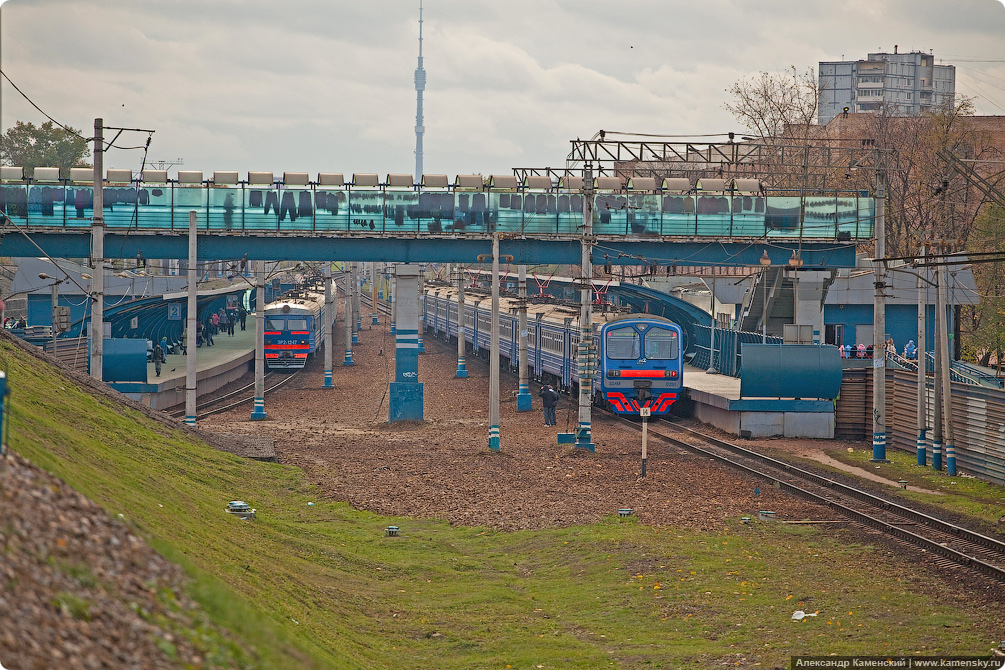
x: 970, y: 497
x: 321, y: 587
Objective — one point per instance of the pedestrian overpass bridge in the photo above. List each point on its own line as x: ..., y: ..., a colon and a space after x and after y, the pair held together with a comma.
x: 366, y: 218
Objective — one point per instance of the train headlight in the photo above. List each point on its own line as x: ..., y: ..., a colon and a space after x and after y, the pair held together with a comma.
x: 612, y: 374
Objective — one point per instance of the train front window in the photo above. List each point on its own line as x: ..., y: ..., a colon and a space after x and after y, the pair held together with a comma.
x: 661, y: 344
x: 275, y: 324
x: 297, y: 324
x: 623, y: 343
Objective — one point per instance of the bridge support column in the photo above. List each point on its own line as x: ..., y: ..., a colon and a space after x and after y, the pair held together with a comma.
x: 258, y: 411
x: 462, y: 371
x: 405, y: 393
x: 350, y: 337
x: 584, y: 433
x: 328, y: 327
x: 523, y: 398
x: 944, y: 356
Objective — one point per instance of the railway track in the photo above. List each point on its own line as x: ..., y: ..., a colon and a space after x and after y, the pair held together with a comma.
x: 951, y: 545
x: 214, y: 403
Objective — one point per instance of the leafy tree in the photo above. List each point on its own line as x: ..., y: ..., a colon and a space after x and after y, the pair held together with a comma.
x: 985, y: 322
x: 30, y: 146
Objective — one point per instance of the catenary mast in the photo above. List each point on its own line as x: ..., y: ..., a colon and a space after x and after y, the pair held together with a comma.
x: 420, y: 86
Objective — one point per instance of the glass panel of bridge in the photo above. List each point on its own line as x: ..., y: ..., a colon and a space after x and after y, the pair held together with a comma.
x: 570, y: 213
x: 866, y: 221
x: 14, y: 200
x: 331, y: 210
x: 261, y: 208
x: 610, y: 215
x: 225, y: 211
x: 540, y: 212
x: 678, y: 215
x: 643, y: 214
x: 748, y: 215
x: 296, y: 209
x: 188, y: 197
x: 120, y: 206
x: 366, y: 211
x: 820, y: 216
x: 435, y: 212
x: 781, y: 216
x: 506, y: 210
x: 401, y: 212
x: 156, y: 205
x: 470, y: 212
x: 714, y: 215
x: 44, y: 203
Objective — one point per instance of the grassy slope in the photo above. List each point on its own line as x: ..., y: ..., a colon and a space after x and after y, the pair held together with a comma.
x: 321, y: 587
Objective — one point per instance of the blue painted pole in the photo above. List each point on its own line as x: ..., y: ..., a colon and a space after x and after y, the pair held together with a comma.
x: 937, y: 453
x: 422, y: 306
x: 922, y: 445
x: 494, y: 350
x: 327, y: 328
x: 3, y: 403
x: 950, y: 459
x: 523, y: 398
x: 392, y: 296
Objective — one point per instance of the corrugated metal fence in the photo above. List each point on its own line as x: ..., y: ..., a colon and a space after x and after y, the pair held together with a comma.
x: 978, y: 416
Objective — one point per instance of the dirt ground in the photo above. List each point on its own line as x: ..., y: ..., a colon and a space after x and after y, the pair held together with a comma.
x: 442, y: 467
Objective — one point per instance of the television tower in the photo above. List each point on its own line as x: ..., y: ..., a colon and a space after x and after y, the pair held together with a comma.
x: 420, y: 86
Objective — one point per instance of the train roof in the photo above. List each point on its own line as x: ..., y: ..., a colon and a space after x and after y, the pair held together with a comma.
x: 302, y: 303
x: 550, y: 312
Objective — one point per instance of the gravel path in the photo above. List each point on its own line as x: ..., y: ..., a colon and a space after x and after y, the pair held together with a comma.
x: 443, y: 468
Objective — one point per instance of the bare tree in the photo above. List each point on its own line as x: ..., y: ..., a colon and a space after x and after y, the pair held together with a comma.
x: 777, y: 105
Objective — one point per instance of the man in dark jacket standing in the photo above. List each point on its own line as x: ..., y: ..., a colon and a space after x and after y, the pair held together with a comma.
x: 549, y: 398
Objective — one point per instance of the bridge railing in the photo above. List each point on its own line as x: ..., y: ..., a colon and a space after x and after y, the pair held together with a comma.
x: 327, y: 210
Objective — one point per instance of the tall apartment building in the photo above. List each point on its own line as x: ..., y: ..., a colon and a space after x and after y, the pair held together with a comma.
x: 910, y: 83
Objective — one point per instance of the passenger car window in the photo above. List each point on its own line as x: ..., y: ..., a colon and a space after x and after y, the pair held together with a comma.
x: 623, y: 343
x: 661, y: 344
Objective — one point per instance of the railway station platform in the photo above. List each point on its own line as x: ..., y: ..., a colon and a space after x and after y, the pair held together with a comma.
x: 717, y: 402
x: 227, y: 360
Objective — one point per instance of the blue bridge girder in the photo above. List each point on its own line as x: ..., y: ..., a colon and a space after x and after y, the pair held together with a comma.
x: 469, y: 249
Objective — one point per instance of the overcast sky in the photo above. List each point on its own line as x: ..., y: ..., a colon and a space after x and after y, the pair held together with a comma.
x: 327, y: 85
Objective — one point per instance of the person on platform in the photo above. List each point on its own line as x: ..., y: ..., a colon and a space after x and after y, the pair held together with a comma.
x: 243, y: 315
x: 21, y: 323
x: 891, y: 348
x: 910, y: 350
x: 860, y: 351
x: 549, y: 399
x: 158, y: 358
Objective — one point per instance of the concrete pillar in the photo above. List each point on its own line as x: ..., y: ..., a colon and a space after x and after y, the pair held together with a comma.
x: 586, y: 354
x: 405, y: 394
x: 191, y: 320
x: 258, y: 412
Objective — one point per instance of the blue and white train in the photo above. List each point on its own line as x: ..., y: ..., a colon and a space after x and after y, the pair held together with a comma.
x: 639, y: 356
x: 294, y: 329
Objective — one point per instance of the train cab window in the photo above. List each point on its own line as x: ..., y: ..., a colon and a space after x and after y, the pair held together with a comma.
x: 623, y: 343
x: 297, y: 324
x: 661, y: 344
x: 275, y: 324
